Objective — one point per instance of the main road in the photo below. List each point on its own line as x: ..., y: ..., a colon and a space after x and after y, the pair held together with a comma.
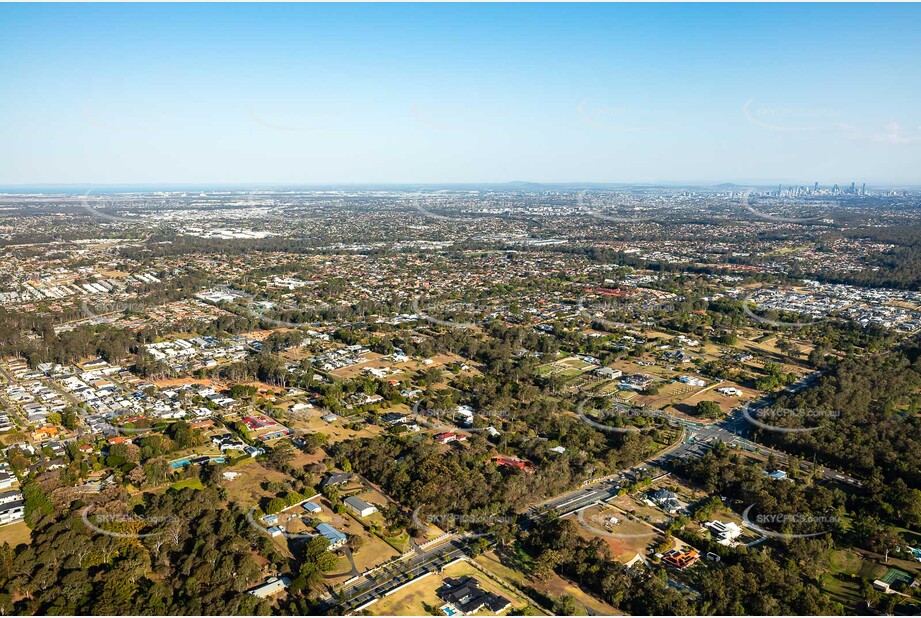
x: 699, y: 438
x: 375, y: 585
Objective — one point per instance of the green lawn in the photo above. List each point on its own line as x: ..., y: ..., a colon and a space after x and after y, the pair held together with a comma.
x: 545, y: 370
x: 844, y: 561
x: 848, y: 568
x: 399, y: 543
x: 845, y: 591
x: 188, y: 483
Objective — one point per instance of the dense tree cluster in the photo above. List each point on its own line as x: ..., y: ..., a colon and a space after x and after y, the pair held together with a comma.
x: 869, y: 424
x: 180, y: 552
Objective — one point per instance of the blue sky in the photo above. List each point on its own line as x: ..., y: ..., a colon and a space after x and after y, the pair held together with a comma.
x: 210, y: 93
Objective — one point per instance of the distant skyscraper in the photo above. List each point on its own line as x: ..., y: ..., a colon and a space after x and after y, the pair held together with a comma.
x: 863, y: 189
x: 816, y: 188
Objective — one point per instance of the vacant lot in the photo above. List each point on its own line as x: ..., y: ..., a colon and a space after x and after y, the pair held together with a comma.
x: 309, y: 421
x: 513, y: 566
x: 631, y: 536
x: 245, y: 488
x: 14, y: 534
x: 848, y: 568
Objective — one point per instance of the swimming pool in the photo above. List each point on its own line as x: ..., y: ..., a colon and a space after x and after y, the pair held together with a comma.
x: 187, y: 461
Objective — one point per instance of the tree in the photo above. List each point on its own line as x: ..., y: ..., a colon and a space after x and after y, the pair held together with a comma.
x: 243, y: 391
x: 70, y: 418
x: 275, y: 505
x: 282, y: 454
x: 566, y: 605
x: 314, y: 441
x: 708, y: 409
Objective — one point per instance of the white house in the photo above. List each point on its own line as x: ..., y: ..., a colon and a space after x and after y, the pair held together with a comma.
x: 7, y: 480
x: 273, y: 585
x: 724, y: 532
x: 12, y: 511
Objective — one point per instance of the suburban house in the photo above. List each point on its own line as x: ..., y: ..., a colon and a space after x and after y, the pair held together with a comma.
x: 778, y: 475
x: 253, y: 451
x: 359, y: 506
x: 336, y: 539
x: 336, y: 478
x: 678, y: 356
x: 47, y: 432
x: 463, y: 415
x: 10, y: 496
x: 463, y: 595
x: 724, y: 532
x: 637, y: 560
x: 637, y: 381
x: 12, y: 511
x: 607, y: 373
x: 666, y: 500
x: 681, y: 559
x: 7, y: 480
x: 272, y: 586
x: 394, y: 418
x: 514, y: 462
x: 449, y: 436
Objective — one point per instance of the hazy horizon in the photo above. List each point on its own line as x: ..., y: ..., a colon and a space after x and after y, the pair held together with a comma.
x: 142, y: 187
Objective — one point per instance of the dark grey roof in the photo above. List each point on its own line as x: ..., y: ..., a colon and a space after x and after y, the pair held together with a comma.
x: 336, y: 479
